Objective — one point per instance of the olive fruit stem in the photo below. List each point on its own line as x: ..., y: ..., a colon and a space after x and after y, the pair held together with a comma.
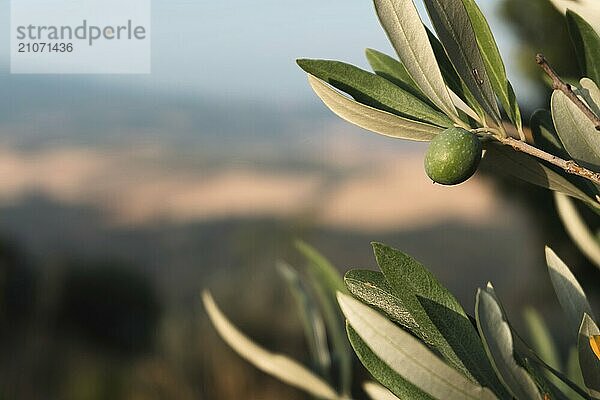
x: 559, y: 84
x: 568, y: 166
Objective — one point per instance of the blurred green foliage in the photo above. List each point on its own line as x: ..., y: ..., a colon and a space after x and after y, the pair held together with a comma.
x: 540, y: 28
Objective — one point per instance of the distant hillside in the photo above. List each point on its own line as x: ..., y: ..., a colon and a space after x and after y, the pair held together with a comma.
x: 185, y: 257
x: 42, y: 110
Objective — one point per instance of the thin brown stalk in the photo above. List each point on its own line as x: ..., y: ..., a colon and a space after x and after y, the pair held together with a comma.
x: 569, y: 166
x: 559, y: 84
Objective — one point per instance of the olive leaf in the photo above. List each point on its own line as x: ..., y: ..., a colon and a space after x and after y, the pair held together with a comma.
x: 322, y: 268
x: 494, y: 64
x: 497, y: 338
x: 372, y: 288
x: 312, y: 320
x: 577, y: 228
x: 573, y: 368
x: 446, y: 331
x: 408, y: 279
x: 276, y: 365
x: 588, y: 360
x: 544, y: 384
x: 587, y: 45
x: 373, y: 90
x: 454, y: 82
x: 577, y: 133
x: 326, y: 281
x: 545, y: 138
x: 378, y: 392
x: 406, y: 32
x: 382, y: 372
x: 570, y: 294
x: 440, y: 319
x: 370, y: 118
x: 407, y: 356
x: 542, y: 341
x: 590, y: 93
x: 394, y: 71
x: 453, y: 26
x: 544, y: 345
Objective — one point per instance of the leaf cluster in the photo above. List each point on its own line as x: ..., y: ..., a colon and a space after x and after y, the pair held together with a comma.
x: 414, y: 336
x: 458, y: 78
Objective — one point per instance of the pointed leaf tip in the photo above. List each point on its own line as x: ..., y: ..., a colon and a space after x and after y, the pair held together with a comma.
x: 570, y: 294
x: 281, y: 367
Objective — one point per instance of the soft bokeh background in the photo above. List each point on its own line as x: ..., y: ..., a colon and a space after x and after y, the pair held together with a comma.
x: 122, y: 197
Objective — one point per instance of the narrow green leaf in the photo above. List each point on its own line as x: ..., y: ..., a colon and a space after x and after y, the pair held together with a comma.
x: 545, y: 138
x: 407, y: 34
x: 382, y: 372
x: 372, y: 288
x: 577, y: 228
x: 493, y: 63
x: 370, y: 118
x: 432, y: 313
x: 498, y: 341
x: 408, y: 279
x: 453, y: 26
x: 577, y: 133
x: 322, y: 268
x: 462, y: 337
x: 276, y: 365
x: 374, y: 91
x: 394, y: 71
x: 312, y: 321
x: 407, y: 356
x: 588, y: 360
x: 573, y: 368
x: 405, y: 274
x: 542, y: 341
x: 451, y: 78
x: 326, y: 281
x: 378, y: 392
x: 509, y: 162
x: 544, y: 345
x: 574, y: 390
x: 569, y: 292
x: 542, y: 380
x: 587, y: 45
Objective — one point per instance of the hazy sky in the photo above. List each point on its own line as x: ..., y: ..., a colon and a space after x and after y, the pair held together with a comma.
x: 246, y: 50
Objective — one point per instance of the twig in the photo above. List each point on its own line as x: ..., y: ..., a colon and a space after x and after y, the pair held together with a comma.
x: 559, y: 84
x: 569, y: 166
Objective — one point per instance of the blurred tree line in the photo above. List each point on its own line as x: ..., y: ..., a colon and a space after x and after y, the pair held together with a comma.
x: 68, y: 330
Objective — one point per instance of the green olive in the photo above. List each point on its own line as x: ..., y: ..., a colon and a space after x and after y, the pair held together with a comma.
x: 453, y: 156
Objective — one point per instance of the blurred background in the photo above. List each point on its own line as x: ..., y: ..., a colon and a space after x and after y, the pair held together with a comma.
x: 122, y: 197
